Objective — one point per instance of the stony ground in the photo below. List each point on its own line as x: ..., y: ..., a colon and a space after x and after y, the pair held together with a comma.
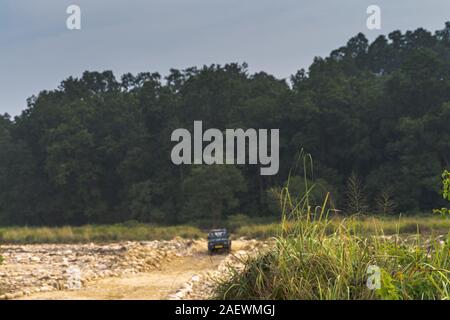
x: 176, y: 269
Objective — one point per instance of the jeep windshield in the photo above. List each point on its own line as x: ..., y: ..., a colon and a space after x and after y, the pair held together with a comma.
x: 217, y: 235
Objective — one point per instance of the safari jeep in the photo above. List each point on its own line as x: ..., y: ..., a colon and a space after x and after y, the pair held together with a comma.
x: 218, y: 239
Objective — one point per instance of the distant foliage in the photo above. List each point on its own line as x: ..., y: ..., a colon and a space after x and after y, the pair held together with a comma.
x: 445, y: 192
x: 446, y: 185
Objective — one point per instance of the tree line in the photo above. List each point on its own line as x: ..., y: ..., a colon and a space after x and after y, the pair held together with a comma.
x: 374, y: 116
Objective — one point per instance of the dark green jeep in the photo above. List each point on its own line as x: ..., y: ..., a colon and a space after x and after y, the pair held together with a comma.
x: 219, y: 239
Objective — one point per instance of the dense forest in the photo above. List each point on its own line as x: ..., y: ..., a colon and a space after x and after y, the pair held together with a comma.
x: 374, y: 117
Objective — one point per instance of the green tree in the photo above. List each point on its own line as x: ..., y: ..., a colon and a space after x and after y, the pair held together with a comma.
x: 212, y: 192
x: 144, y: 202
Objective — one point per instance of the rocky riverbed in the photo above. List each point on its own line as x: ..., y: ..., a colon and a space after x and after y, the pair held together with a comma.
x: 28, y: 269
x: 39, y: 270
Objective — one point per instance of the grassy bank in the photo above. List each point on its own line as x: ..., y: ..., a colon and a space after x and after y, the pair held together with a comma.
x: 318, y: 257
x: 92, y: 233
x: 243, y: 228
x: 359, y: 225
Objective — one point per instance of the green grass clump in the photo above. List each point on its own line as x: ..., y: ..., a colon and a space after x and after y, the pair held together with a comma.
x: 315, y: 257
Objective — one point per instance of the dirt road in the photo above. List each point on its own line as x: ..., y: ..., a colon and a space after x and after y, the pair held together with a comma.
x: 155, y: 285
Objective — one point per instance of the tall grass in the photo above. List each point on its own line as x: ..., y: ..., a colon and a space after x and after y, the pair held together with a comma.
x: 317, y: 257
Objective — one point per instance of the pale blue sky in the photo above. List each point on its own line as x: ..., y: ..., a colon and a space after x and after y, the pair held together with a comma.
x: 37, y: 51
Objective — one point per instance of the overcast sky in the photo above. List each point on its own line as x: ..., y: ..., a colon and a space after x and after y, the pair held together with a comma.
x: 37, y: 51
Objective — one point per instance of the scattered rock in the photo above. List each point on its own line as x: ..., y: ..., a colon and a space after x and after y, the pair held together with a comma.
x: 44, y: 267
